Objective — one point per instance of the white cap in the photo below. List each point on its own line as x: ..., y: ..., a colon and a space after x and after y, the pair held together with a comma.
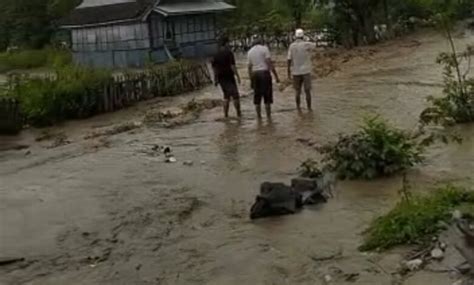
x: 299, y: 33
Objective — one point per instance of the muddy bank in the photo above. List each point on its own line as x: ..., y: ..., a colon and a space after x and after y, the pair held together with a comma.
x: 114, y: 214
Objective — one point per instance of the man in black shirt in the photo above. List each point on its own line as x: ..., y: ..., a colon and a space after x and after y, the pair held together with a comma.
x: 227, y: 76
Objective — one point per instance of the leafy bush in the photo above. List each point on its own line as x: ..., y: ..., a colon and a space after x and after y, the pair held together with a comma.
x: 310, y: 169
x: 374, y: 151
x: 77, y: 92
x: 26, y: 59
x: 416, y: 220
x: 457, y: 106
x: 70, y: 93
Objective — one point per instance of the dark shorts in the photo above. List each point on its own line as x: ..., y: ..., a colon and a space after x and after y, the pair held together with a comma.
x: 262, y: 87
x: 229, y: 88
x: 302, y: 81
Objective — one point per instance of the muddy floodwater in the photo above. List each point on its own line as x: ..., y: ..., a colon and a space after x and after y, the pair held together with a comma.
x: 100, y: 209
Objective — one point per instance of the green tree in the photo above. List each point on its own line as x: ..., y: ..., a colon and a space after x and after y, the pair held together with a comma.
x: 31, y: 23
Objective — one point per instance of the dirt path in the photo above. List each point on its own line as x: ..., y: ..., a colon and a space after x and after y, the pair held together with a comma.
x: 106, y: 210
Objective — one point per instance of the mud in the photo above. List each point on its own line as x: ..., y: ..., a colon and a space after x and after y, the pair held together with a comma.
x: 101, y: 211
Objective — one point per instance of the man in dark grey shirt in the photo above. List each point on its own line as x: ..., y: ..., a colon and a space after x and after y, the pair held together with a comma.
x: 225, y: 75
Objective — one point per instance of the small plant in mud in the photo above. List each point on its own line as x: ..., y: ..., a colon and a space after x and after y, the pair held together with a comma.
x: 310, y: 169
x: 376, y: 150
x: 457, y: 105
x: 416, y: 220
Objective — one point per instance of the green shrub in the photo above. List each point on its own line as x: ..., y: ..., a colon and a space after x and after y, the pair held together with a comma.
x: 77, y: 92
x: 416, y: 220
x: 310, y: 169
x: 374, y: 151
x: 70, y: 93
x: 27, y: 59
x: 457, y: 105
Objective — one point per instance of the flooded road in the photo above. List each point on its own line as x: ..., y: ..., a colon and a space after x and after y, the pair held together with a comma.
x: 104, y: 211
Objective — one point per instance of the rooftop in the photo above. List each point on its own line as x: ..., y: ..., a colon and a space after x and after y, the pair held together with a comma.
x: 101, y: 12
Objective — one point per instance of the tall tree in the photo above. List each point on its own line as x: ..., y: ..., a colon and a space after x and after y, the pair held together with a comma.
x: 30, y: 23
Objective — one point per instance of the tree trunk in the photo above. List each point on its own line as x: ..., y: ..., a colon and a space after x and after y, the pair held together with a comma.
x: 386, y: 11
x: 298, y: 18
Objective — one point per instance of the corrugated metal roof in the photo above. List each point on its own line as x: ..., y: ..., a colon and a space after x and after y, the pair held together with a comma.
x: 100, y: 12
x: 97, y: 3
x: 187, y: 7
x: 99, y: 15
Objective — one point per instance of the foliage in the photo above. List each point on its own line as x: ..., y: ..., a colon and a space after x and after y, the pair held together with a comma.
x: 416, y: 220
x: 310, y: 169
x: 457, y: 105
x: 71, y: 93
x: 26, y: 59
x: 77, y: 92
x: 30, y: 23
x: 375, y: 150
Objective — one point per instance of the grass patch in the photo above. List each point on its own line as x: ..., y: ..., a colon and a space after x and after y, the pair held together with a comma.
x: 28, y: 59
x: 417, y: 220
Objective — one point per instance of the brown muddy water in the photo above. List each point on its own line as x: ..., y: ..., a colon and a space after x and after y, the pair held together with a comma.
x: 103, y: 211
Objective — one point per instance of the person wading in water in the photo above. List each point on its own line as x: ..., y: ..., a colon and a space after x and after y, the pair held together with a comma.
x: 227, y: 76
x: 300, y: 66
x: 259, y: 67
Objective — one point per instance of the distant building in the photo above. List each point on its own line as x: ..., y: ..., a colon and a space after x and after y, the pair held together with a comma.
x: 129, y: 33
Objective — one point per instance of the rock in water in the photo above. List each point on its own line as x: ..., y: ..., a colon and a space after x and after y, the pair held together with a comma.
x: 275, y: 199
x: 414, y: 264
x: 308, y: 189
x: 437, y: 254
x: 301, y: 185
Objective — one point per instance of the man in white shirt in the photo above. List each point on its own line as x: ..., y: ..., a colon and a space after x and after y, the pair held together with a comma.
x: 300, y: 67
x: 260, y: 67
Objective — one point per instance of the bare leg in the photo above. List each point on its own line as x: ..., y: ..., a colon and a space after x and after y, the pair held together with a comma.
x: 268, y: 110
x: 226, y: 107
x: 258, y: 108
x: 308, y: 99
x: 237, y: 107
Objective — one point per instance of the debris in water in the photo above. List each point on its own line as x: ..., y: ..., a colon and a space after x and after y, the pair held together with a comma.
x: 13, y: 147
x: 167, y: 150
x: 118, y: 129
x: 171, y: 159
x: 60, y: 140
x: 327, y: 278
x: 188, y: 163
x: 28, y: 152
x: 10, y: 260
x: 351, y: 277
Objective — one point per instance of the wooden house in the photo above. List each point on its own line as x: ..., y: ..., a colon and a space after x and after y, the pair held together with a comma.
x: 130, y: 33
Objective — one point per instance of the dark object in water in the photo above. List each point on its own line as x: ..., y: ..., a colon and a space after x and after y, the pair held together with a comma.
x: 275, y: 199
x: 309, y: 190
x: 8, y: 261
